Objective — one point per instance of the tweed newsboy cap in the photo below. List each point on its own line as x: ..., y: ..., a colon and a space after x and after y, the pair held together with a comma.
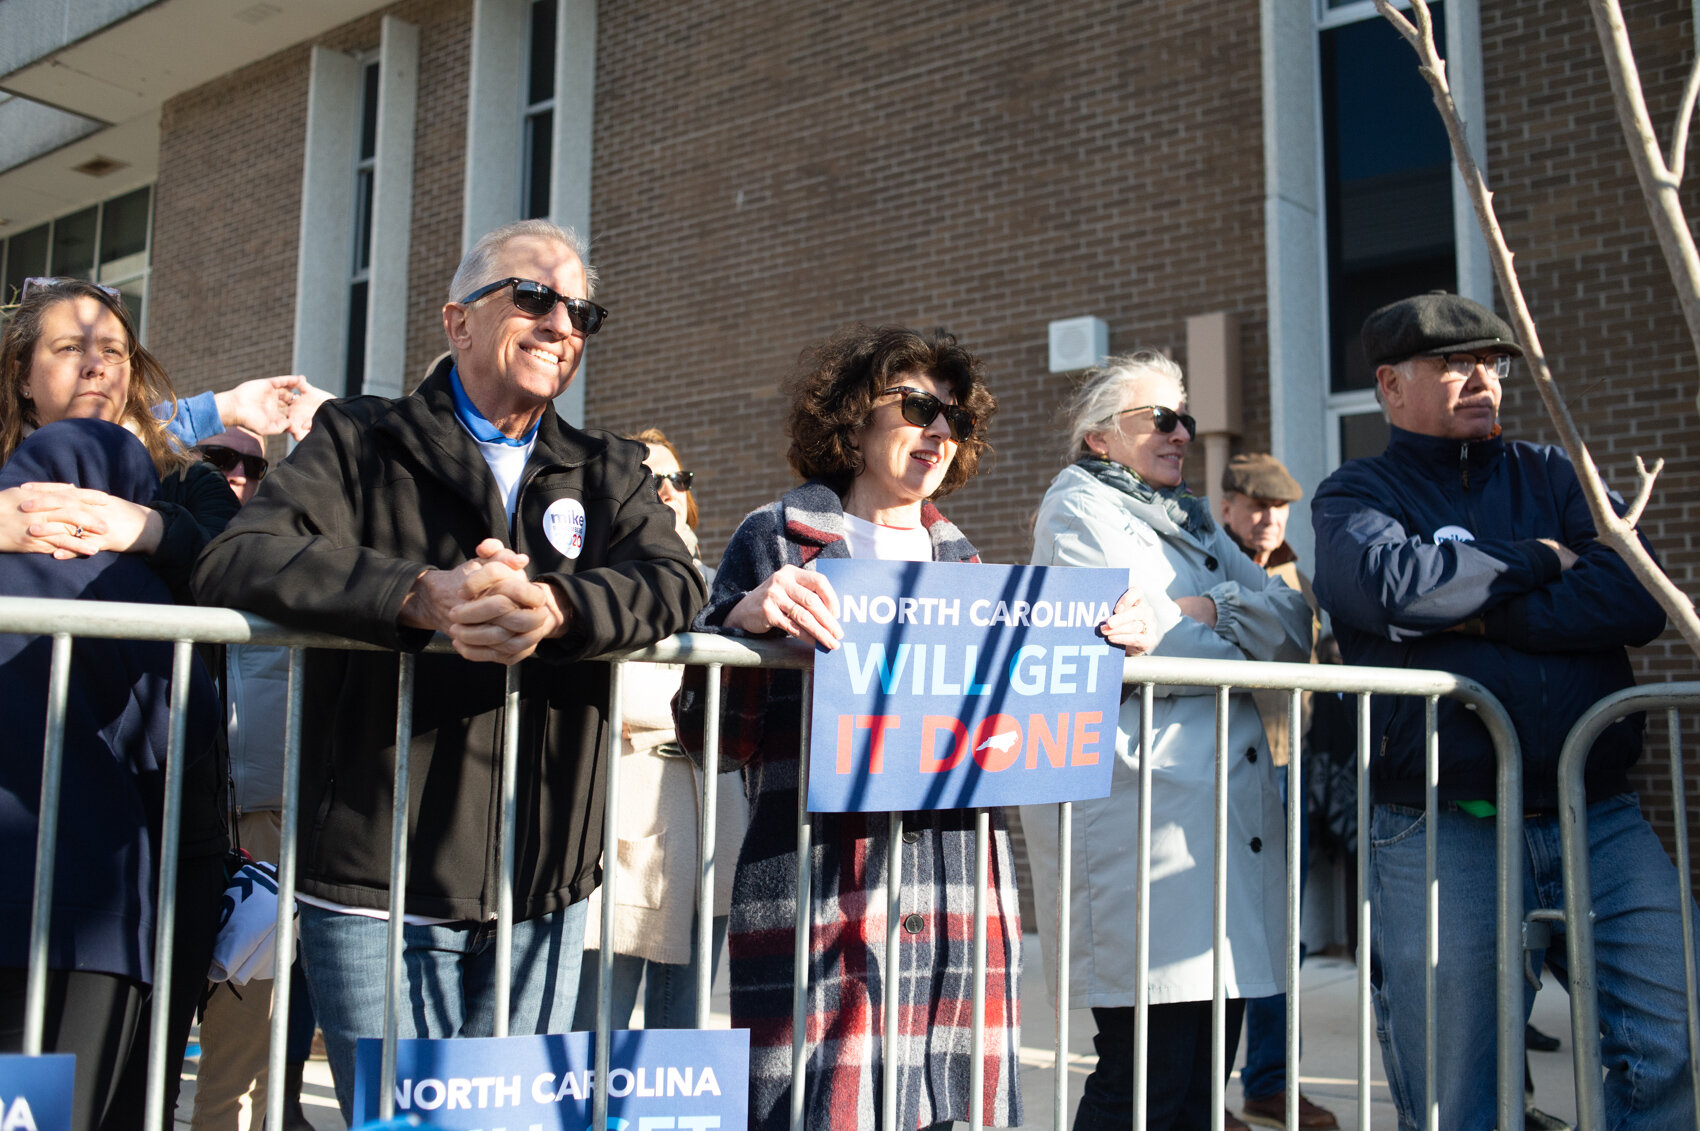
x: 1433, y: 324
x: 1261, y: 476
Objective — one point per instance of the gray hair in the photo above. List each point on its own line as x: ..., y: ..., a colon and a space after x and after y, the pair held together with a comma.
x: 1105, y: 388
x: 478, y: 266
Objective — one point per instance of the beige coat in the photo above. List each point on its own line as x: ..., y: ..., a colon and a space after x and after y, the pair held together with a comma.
x: 1273, y: 705
x: 1087, y: 523
x: 660, y: 799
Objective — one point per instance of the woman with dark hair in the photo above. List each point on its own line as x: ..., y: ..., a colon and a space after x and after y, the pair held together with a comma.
x: 654, y: 917
x: 97, y: 502
x: 882, y: 421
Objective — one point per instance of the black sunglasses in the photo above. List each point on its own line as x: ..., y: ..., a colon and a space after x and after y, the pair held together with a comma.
x: 921, y: 409
x: 226, y: 459
x: 681, y: 480
x: 1164, y: 419
x: 537, y: 300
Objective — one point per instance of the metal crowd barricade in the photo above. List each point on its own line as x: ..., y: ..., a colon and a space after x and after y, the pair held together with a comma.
x: 1578, y: 913
x: 188, y: 626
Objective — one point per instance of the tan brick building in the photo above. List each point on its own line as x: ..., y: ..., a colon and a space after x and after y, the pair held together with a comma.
x: 754, y: 176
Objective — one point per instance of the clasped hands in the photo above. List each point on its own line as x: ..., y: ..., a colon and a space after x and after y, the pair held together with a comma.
x: 487, y: 607
x: 68, y: 521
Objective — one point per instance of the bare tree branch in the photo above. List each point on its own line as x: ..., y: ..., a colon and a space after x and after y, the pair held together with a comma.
x: 1618, y: 533
x: 1664, y: 205
x: 1644, y: 491
x: 1678, y: 158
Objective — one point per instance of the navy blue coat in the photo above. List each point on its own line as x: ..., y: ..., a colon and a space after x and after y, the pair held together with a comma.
x: 1434, y: 535
x: 116, y: 728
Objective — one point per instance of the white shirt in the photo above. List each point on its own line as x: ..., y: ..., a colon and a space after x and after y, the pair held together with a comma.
x: 887, y: 543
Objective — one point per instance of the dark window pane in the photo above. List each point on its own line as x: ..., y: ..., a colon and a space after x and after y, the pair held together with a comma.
x: 539, y: 163
x: 355, y: 372
x: 73, y: 244
x: 369, y: 114
x: 124, y: 226
x: 26, y: 255
x: 1362, y: 434
x: 135, y: 293
x: 540, y: 78
x: 362, y: 220
x: 1389, y: 184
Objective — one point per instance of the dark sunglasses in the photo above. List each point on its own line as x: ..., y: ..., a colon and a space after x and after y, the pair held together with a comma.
x: 42, y: 282
x: 921, y: 409
x: 1164, y: 419
x: 537, y: 300
x: 681, y: 480
x: 226, y: 459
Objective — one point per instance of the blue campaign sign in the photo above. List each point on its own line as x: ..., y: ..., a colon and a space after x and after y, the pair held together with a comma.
x: 672, y: 1079
x: 963, y: 685
x: 35, y: 1092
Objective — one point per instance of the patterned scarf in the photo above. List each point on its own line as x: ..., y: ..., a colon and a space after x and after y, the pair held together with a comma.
x: 1189, y: 512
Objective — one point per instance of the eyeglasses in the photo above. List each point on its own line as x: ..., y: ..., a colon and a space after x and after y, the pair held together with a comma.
x: 1464, y: 364
x: 537, y: 300
x: 226, y: 459
x: 681, y: 480
x: 1163, y: 418
x: 42, y: 282
x: 921, y: 409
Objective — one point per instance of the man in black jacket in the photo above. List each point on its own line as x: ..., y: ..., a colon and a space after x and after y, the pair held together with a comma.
x: 471, y: 509
x: 1459, y: 550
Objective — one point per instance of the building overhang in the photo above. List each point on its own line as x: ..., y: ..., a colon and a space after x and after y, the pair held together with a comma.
x: 90, y: 79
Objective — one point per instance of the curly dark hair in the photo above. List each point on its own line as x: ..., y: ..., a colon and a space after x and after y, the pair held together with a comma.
x: 835, y: 384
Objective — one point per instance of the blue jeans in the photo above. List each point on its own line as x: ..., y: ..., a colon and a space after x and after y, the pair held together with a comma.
x: 449, y: 975
x: 1638, y: 938
x: 1265, y: 1071
x: 670, y: 989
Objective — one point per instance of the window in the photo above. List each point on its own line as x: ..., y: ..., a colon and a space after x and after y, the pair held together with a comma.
x: 106, y: 243
x: 365, y: 177
x: 539, y: 111
x: 1387, y: 182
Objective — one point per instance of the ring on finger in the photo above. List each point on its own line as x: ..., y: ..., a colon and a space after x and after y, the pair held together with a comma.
x: 76, y: 530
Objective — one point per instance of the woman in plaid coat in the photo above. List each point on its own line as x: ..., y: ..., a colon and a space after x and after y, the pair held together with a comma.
x: 881, y: 421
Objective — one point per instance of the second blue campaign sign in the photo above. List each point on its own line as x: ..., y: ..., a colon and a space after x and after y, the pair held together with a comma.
x: 962, y: 686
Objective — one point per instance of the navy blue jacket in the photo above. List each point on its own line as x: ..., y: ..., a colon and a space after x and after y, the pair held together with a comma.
x: 116, y: 719
x: 1434, y: 535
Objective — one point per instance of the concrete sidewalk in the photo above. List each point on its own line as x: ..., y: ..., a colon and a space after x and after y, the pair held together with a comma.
x: 1328, y: 1074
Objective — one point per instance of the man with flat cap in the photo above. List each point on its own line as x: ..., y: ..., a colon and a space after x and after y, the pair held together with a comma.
x: 1257, y: 493
x: 1460, y: 550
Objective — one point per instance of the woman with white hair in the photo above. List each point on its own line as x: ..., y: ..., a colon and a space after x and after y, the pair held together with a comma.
x: 1123, y: 503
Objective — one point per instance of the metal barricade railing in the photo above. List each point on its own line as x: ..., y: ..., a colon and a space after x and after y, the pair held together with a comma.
x: 1578, y: 913
x: 188, y: 626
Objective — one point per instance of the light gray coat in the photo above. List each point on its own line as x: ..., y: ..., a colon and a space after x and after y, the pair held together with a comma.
x: 1085, y: 522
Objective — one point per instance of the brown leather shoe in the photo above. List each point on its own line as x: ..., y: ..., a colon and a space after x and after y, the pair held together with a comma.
x: 1271, y: 1111
x: 1232, y: 1122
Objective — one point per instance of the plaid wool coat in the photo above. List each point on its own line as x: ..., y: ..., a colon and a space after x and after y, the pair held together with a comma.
x: 848, y: 963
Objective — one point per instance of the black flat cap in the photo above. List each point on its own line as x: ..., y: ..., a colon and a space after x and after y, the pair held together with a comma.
x: 1261, y: 476
x: 1433, y: 324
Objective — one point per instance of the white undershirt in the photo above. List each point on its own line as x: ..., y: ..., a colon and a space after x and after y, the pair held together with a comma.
x: 887, y: 543
x: 507, y: 464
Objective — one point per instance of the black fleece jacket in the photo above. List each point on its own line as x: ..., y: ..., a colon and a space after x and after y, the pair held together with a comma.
x: 378, y: 492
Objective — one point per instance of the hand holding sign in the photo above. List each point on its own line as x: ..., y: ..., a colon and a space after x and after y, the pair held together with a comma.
x: 796, y: 602
x: 1129, y: 626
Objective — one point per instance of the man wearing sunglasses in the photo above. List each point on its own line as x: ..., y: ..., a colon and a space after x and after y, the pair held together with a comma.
x: 469, y: 509
x: 1460, y: 550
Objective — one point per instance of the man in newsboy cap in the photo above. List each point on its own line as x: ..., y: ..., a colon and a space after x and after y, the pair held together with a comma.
x: 1460, y: 550
x: 1257, y: 493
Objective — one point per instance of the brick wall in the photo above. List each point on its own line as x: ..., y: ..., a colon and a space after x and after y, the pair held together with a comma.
x: 227, y: 210
x: 760, y: 182
x: 1596, y: 282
